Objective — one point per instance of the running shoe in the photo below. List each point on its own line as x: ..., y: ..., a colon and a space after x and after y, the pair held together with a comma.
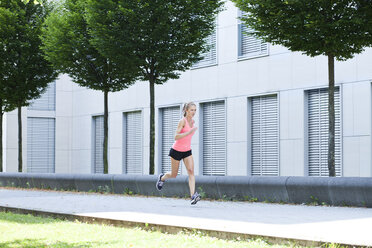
x: 159, y: 183
x: 195, y: 198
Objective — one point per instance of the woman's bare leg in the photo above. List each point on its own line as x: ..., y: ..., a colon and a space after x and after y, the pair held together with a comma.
x: 189, y: 163
x: 175, y: 165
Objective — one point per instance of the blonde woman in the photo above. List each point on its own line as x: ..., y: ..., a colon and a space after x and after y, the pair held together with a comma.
x: 181, y: 150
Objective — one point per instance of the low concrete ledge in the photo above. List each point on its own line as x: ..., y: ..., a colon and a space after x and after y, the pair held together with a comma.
x: 344, y: 191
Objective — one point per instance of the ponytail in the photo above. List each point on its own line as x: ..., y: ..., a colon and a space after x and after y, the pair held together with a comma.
x: 184, y: 109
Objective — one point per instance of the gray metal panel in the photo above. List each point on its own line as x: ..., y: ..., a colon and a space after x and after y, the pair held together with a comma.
x: 132, y: 127
x: 170, y: 118
x: 98, y: 144
x: 210, y: 56
x: 214, y: 138
x: 318, y: 132
x: 264, y: 136
x: 40, y: 145
x: 47, y: 100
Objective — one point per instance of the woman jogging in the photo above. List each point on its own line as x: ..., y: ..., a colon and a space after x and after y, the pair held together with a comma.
x: 181, y: 150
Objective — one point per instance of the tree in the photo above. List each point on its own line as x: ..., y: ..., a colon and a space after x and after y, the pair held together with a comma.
x: 166, y: 37
x: 5, y: 107
x: 7, y: 21
x: 27, y: 72
x: 335, y: 29
x: 67, y: 44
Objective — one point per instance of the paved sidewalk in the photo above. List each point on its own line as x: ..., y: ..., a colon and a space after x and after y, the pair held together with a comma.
x: 313, y: 223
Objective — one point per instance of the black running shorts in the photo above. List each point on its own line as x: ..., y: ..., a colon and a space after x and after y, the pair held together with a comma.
x: 179, y: 155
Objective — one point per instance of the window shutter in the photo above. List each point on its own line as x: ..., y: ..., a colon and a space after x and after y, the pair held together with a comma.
x: 318, y: 132
x: 133, y: 142
x: 47, y: 100
x: 170, y: 118
x: 210, y: 56
x: 214, y: 138
x: 249, y: 46
x: 40, y: 145
x: 98, y: 144
x: 265, y: 136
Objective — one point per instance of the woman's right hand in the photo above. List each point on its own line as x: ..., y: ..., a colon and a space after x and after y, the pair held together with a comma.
x: 193, y: 130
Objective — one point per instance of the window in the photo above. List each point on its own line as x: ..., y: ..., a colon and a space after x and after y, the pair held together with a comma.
x: 132, y: 145
x: 318, y: 132
x: 170, y: 117
x: 47, y: 100
x: 98, y: 144
x: 249, y: 46
x: 40, y: 145
x: 214, y: 138
x: 264, y: 123
x: 210, y: 56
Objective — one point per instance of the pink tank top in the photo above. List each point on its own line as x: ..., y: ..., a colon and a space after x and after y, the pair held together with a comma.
x: 184, y: 144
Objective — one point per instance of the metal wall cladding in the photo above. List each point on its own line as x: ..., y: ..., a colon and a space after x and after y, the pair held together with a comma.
x: 265, y: 136
x: 214, y: 138
x: 40, y: 145
x: 170, y: 118
x: 98, y: 144
x: 132, y: 142
x: 210, y: 56
x: 47, y: 100
x: 250, y: 46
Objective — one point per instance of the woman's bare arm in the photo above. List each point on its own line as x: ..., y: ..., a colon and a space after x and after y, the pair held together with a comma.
x: 179, y: 135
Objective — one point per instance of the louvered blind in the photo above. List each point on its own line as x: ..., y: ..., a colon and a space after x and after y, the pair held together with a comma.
x: 98, y: 144
x: 170, y: 118
x: 40, y: 145
x: 249, y: 46
x: 265, y: 136
x: 47, y: 100
x: 318, y: 132
x: 214, y: 138
x: 132, y: 127
x: 210, y: 56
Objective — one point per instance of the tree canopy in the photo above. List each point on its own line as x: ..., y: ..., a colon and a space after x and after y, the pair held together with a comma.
x: 26, y: 70
x: 313, y: 27
x: 67, y: 43
x: 165, y: 36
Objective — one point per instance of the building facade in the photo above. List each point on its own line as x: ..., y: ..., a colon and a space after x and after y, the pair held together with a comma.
x: 261, y: 111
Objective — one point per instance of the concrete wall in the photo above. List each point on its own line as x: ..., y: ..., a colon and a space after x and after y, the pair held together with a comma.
x: 343, y: 191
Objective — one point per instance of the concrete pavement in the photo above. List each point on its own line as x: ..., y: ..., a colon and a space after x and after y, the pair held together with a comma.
x: 343, y: 225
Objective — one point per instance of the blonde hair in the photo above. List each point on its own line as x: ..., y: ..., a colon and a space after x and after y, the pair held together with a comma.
x: 186, y: 107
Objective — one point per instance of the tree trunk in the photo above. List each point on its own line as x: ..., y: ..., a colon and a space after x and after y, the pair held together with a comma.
x: 152, y: 127
x: 19, y: 138
x: 1, y: 137
x: 331, y: 111
x: 105, y: 134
